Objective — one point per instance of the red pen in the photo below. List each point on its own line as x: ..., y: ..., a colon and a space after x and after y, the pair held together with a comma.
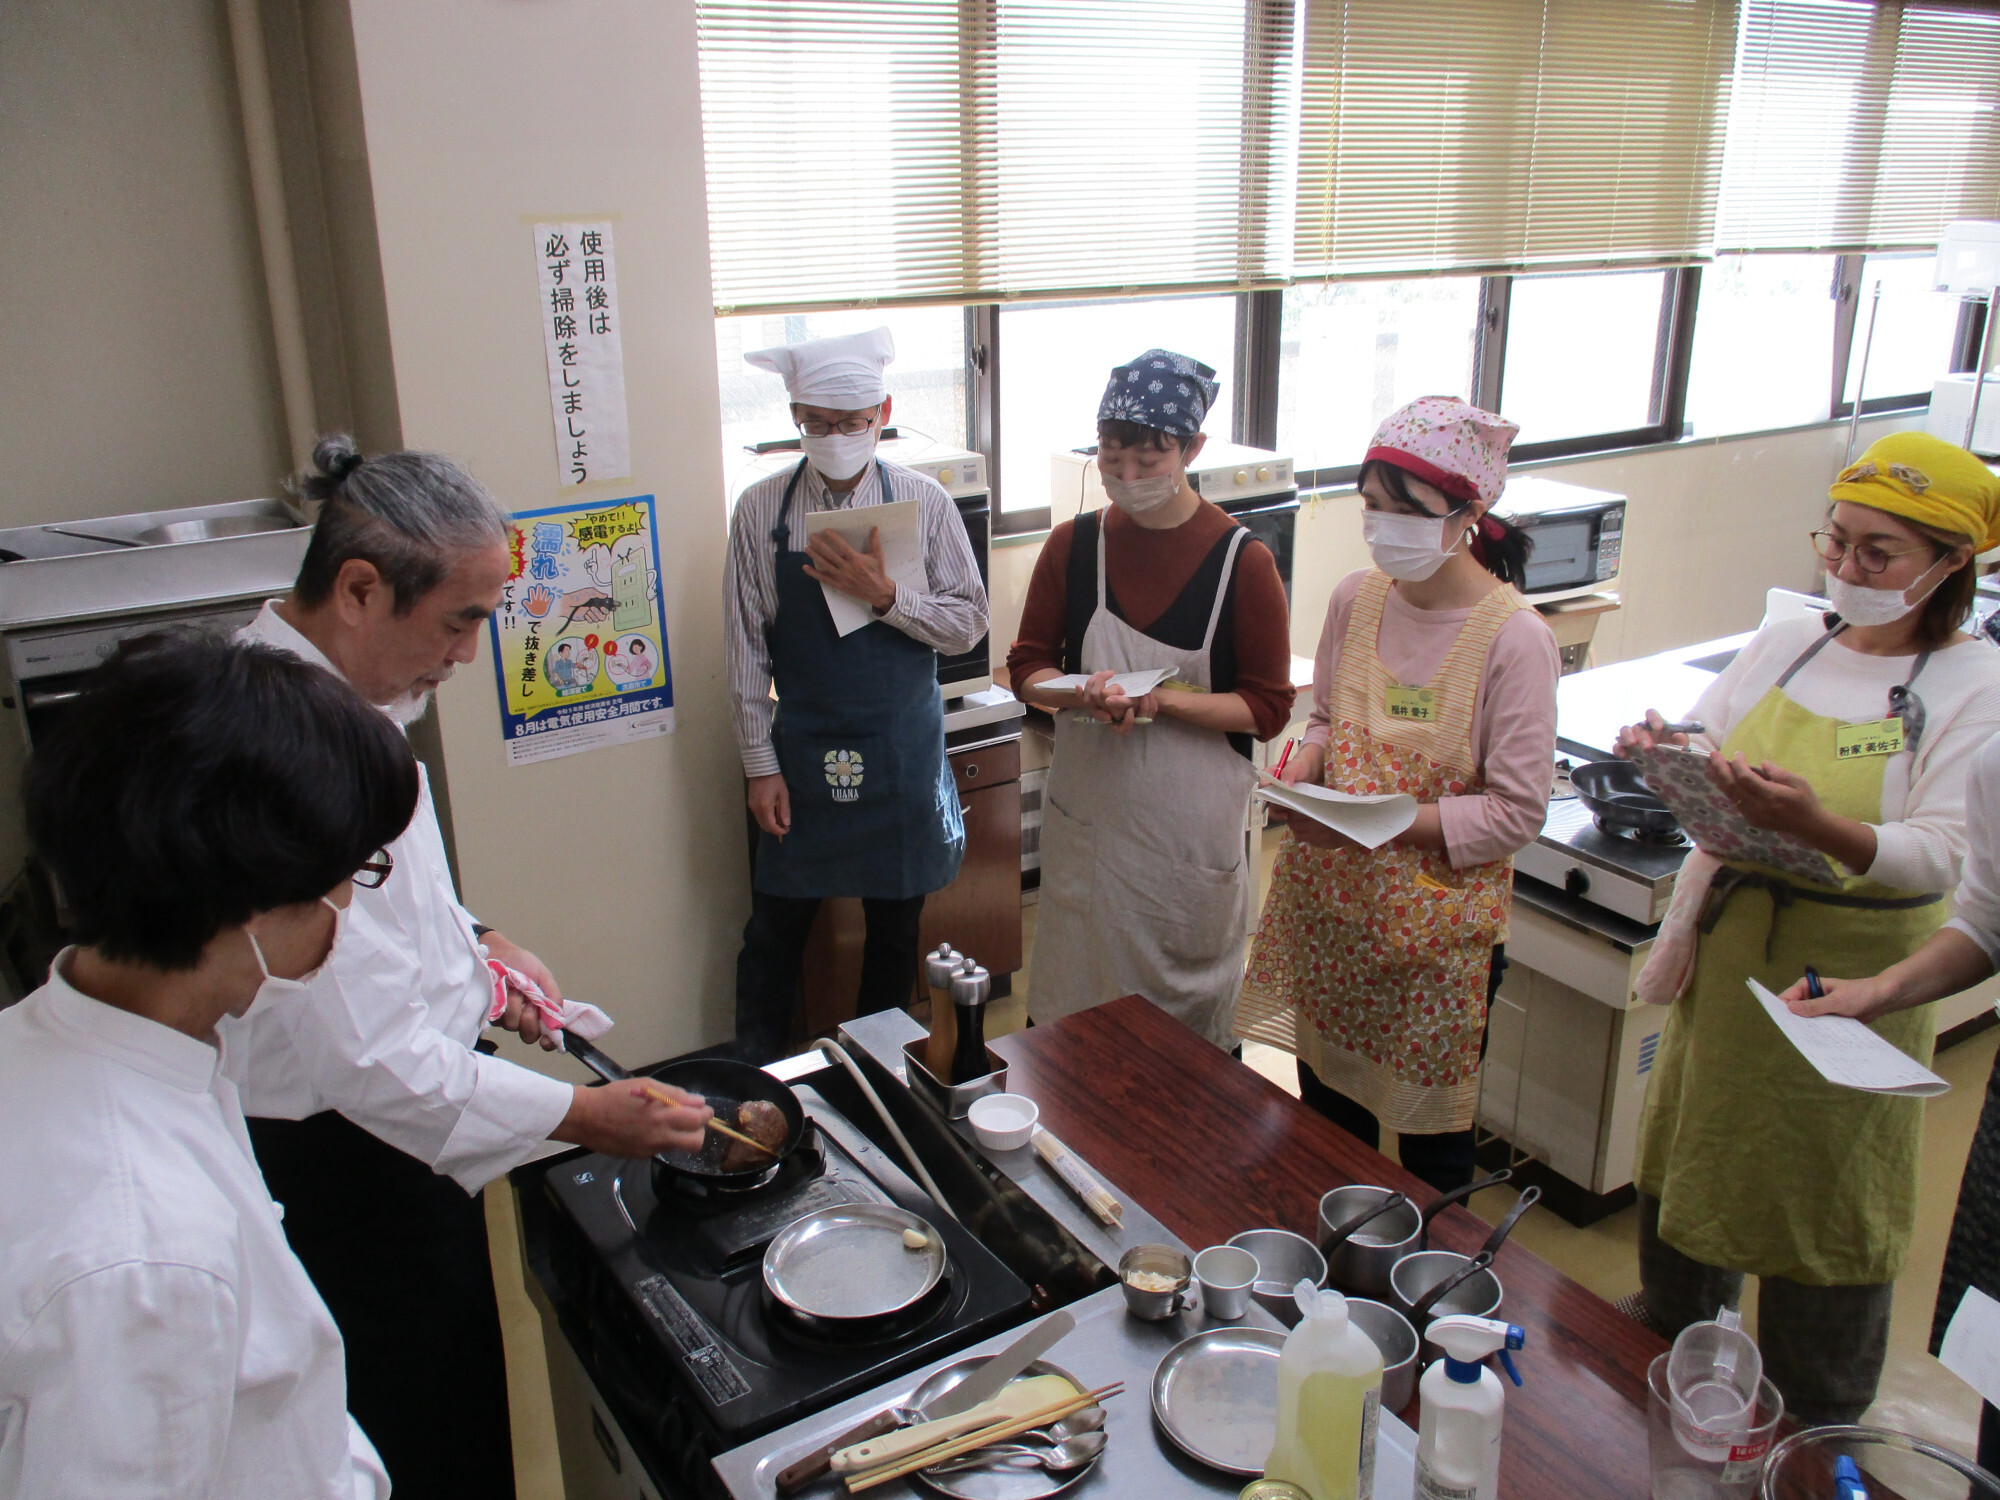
x: 1283, y: 756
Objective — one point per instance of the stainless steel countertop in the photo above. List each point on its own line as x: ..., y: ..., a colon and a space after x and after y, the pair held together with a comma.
x: 1107, y: 1344
x: 1592, y: 706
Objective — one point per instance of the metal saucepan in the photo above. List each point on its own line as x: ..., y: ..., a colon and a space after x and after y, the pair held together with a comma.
x: 1477, y: 1296
x: 1616, y: 793
x: 1283, y: 1260
x: 727, y: 1085
x: 1390, y: 1332
x: 1360, y: 1265
x: 842, y: 1270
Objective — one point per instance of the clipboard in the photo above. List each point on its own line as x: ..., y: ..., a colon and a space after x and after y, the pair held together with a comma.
x: 1714, y: 822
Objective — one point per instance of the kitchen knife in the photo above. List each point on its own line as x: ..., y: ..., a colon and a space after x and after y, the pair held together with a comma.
x: 983, y: 1384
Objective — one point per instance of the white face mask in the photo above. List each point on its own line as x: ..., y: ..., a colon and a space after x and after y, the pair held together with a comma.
x: 1858, y: 604
x: 275, y: 985
x: 1410, y: 547
x: 1138, y: 497
x: 839, y: 455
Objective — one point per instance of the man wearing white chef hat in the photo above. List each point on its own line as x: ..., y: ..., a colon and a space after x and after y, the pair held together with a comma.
x: 375, y: 1120
x: 848, y: 780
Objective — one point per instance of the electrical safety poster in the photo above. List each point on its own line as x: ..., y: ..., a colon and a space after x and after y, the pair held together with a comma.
x: 578, y: 641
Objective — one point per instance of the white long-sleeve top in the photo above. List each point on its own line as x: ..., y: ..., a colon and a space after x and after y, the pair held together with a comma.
x: 1976, y: 907
x: 1921, y: 838
x: 949, y: 617
x: 386, y: 1032
x: 158, y: 1338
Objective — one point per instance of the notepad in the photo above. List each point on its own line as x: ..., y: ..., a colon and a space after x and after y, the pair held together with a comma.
x: 1849, y: 1054
x: 1971, y: 1347
x: 901, y: 525
x: 1370, y: 821
x: 1131, y: 684
x: 1680, y: 777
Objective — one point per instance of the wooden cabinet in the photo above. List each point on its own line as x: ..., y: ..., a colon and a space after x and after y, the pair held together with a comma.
x: 978, y: 913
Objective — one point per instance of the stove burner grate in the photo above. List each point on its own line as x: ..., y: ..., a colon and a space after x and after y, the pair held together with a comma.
x: 1666, y: 838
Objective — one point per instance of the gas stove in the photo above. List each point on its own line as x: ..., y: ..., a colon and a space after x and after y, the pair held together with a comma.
x: 1629, y: 876
x: 661, y: 1292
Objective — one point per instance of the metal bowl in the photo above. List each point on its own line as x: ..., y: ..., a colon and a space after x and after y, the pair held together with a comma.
x: 1390, y: 1332
x: 1283, y: 1260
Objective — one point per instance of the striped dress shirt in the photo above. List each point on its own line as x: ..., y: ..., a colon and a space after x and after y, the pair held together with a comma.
x: 949, y: 617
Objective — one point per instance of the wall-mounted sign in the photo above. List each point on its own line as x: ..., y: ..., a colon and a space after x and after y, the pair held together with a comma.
x: 579, y: 645
x: 580, y: 331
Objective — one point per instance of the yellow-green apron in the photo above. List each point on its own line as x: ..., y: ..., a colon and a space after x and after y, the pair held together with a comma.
x: 1759, y: 1164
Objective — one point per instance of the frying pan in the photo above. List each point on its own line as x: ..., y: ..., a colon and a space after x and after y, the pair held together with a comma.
x: 1614, y: 790
x: 725, y: 1084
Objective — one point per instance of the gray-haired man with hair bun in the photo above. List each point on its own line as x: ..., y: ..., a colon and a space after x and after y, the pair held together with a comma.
x: 380, y: 1117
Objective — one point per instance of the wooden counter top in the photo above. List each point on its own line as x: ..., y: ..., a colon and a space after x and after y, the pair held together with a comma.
x: 1212, y: 1148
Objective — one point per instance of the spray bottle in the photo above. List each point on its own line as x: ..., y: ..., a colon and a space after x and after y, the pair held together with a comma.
x: 1329, y: 1402
x: 1458, y: 1440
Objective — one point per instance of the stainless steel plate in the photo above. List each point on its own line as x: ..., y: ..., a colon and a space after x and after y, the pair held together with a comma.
x: 997, y: 1483
x: 1216, y: 1397
x: 850, y: 1261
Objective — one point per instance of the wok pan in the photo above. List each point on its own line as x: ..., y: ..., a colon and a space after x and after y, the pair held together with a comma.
x: 727, y: 1085
x: 1614, y: 790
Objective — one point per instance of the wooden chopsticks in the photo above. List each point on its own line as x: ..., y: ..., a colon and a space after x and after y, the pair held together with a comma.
x: 714, y: 1124
x: 953, y: 1447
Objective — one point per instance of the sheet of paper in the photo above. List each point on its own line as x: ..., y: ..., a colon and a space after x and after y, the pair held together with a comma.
x: 1971, y: 1348
x: 1849, y: 1054
x: 577, y: 279
x: 902, y: 552
x: 1133, y: 684
x: 1370, y: 821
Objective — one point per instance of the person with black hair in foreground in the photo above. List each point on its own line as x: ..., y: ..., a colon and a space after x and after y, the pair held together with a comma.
x: 1145, y: 883
x: 204, y: 807
x: 375, y: 1120
x: 1377, y: 966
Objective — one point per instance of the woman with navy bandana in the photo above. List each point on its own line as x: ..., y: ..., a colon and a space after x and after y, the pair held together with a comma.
x: 1145, y: 888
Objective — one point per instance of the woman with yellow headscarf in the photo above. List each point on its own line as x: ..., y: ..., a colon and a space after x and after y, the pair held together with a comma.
x: 1853, y: 733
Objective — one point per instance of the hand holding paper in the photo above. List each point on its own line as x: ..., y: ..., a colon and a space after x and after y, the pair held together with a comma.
x: 1131, y: 684
x: 1847, y: 1053
x: 1369, y: 821
x: 899, y: 534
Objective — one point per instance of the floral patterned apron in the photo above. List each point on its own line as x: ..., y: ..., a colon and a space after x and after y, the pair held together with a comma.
x: 1372, y: 965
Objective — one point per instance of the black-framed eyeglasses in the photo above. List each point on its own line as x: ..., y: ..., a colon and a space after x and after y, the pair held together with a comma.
x: 1868, y: 557
x: 846, y: 427
x: 375, y: 870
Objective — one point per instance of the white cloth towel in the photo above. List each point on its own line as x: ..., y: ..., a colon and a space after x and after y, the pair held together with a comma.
x: 1664, y: 978
x: 587, y: 1021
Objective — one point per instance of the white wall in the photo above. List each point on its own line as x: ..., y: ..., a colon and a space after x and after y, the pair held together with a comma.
x: 139, y: 371
x: 624, y: 868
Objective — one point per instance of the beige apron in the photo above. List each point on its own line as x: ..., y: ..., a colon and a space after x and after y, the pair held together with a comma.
x: 1372, y: 964
x: 1145, y: 887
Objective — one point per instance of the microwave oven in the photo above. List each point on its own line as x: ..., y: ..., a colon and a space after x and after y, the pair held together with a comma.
x: 1578, y: 536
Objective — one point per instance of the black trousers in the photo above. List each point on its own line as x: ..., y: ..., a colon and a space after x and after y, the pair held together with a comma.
x: 399, y: 1255
x: 774, y: 946
x: 1444, y: 1160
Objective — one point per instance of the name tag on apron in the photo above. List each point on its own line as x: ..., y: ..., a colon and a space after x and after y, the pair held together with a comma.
x: 1410, y: 703
x: 1876, y: 737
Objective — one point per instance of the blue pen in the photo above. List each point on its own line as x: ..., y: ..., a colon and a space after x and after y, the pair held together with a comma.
x: 1847, y: 1483
x: 1813, y: 987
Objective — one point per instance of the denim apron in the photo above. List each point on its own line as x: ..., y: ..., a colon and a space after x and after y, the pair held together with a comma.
x: 859, y: 735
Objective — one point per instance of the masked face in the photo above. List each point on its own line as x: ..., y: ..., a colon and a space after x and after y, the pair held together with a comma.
x: 1143, y: 479
x: 1137, y: 497
x: 1410, y: 547
x: 276, y: 986
x: 1858, y: 604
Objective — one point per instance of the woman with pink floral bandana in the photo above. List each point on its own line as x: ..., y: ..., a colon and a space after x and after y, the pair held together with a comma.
x: 1376, y: 966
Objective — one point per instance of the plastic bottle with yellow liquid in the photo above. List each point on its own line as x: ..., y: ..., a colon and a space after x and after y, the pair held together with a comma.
x: 1329, y: 1402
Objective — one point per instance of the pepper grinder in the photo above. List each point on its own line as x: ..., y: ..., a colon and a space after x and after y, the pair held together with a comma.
x: 938, y: 969
x: 971, y: 987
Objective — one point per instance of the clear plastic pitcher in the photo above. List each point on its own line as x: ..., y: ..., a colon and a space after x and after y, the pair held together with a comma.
x: 1712, y: 1374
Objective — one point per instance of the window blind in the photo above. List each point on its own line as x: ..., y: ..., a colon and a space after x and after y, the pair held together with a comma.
x: 1509, y: 134
x: 1857, y: 126
x: 939, y: 151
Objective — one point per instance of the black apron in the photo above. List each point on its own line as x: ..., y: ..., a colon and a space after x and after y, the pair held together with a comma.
x: 859, y: 735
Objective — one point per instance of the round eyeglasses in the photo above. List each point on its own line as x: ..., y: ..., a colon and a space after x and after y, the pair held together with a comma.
x: 1868, y: 557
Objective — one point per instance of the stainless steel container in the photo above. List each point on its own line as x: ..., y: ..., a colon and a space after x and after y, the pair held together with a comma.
x: 1478, y: 1296
x: 1283, y: 1260
x: 1161, y: 1260
x: 1360, y: 1264
x: 1392, y: 1335
x: 954, y: 1099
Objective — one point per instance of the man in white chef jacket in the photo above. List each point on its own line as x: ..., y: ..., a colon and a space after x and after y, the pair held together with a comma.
x: 205, y: 806
x: 367, y: 1095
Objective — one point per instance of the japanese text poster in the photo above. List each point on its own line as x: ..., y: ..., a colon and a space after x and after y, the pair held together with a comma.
x: 580, y: 330
x: 578, y: 640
